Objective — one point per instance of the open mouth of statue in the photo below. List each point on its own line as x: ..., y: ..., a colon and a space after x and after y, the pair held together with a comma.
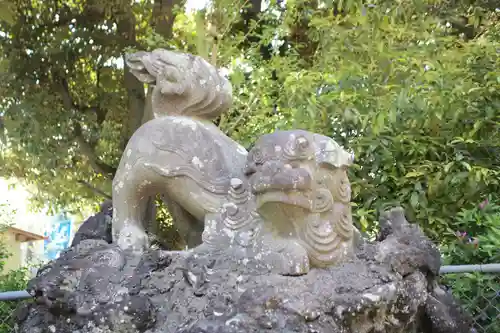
x: 279, y: 186
x: 276, y: 199
x: 284, y: 209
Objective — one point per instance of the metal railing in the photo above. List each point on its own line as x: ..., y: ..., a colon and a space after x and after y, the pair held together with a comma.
x: 476, y: 286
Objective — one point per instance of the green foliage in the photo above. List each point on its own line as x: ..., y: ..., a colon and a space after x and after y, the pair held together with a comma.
x: 7, y: 11
x: 477, y: 235
x: 412, y: 88
x: 9, y: 281
x: 477, y: 242
x: 417, y: 104
x: 12, y: 281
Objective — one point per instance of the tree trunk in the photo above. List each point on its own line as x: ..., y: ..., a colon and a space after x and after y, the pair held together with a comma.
x: 164, y: 16
x: 136, y: 99
x: 148, y: 109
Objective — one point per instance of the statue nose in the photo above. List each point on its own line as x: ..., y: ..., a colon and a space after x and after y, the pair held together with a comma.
x: 284, y: 176
x: 250, y: 169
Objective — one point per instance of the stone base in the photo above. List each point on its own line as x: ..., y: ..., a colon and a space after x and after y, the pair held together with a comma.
x: 390, y: 286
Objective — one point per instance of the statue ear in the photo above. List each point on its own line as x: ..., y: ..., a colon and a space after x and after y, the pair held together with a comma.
x: 141, y: 66
x: 331, y: 155
x: 334, y: 159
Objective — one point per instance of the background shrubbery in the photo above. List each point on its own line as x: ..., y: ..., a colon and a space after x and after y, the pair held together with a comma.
x: 9, y: 281
x: 477, y: 242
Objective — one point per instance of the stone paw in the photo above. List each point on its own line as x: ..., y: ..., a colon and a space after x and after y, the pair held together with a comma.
x: 295, y: 259
x: 132, y: 238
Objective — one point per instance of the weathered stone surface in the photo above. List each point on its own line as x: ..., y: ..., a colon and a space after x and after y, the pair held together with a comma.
x: 414, y: 250
x: 97, y: 287
x: 444, y: 314
x: 97, y: 226
x: 292, y: 208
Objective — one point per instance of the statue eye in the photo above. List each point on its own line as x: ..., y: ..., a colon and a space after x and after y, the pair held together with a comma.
x: 249, y: 170
x: 302, y: 143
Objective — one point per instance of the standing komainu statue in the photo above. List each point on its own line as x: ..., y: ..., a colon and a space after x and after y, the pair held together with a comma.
x: 180, y: 153
x: 287, y: 199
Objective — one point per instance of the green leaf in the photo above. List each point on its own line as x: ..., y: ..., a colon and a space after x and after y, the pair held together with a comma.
x: 448, y: 166
x: 7, y: 12
x: 414, y: 174
x: 378, y: 124
x: 466, y: 166
x: 414, y: 199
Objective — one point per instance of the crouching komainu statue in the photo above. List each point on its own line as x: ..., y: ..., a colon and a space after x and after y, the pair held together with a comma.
x: 286, y: 201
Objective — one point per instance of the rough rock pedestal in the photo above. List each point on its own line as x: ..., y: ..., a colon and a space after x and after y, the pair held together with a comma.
x: 389, y: 286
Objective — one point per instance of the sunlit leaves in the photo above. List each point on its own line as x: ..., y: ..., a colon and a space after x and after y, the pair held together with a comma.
x: 392, y: 85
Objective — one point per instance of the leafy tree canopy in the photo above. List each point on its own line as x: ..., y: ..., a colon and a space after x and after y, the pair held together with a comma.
x: 412, y: 87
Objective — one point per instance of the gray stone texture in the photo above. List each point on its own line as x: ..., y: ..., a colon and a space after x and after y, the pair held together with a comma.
x: 97, y: 287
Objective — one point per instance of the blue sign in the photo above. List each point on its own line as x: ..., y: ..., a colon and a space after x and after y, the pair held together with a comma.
x: 58, y: 238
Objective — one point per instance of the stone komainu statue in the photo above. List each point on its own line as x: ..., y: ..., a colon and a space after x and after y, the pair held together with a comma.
x: 180, y: 153
x: 288, y: 199
x: 260, y: 217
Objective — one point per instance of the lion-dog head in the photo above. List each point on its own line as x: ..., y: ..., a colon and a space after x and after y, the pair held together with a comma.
x: 300, y: 183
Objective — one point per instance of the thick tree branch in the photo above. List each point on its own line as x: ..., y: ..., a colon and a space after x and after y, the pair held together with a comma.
x: 95, y: 190
x: 164, y: 16
x: 65, y: 94
x: 136, y: 99
x: 89, y: 152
